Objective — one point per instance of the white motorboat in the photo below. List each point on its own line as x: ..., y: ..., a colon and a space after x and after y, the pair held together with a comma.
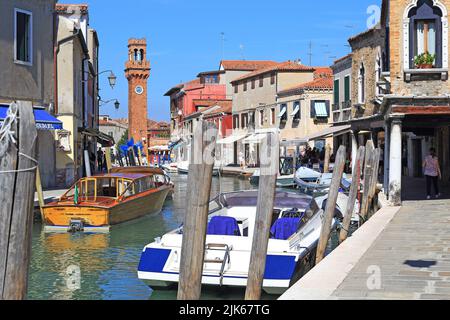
x: 295, y: 232
x: 283, y: 181
x: 170, y: 167
x: 183, y: 168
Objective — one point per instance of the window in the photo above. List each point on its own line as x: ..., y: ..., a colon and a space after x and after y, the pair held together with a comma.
x: 347, y: 88
x: 361, y: 85
x: 336, y: 91
x: 253, y: 83
x: 261, y: 118
x: 320, y: 109
x: 244, y: 120
x: 236, y: 88
x: 23, y: 37
x: 426, y: 32
x: 236, y: 121
x: 245, y: 86
x: 272, y: 116
x: 378, y: 75
x: 283, y: 112
x: 261, y: 81
x: 296, y: 113
x: 272, y: 78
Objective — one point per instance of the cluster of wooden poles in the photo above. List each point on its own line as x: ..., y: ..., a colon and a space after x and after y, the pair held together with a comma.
x: 196, y: 218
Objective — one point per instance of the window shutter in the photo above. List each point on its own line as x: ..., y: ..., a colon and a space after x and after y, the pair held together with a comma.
x: 313, y: 111
x: 347, y: 89
x: 336, y: 91
x: 327, y: 104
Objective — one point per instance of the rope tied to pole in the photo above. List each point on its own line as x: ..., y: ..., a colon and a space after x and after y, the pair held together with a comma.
x: 8, y: 134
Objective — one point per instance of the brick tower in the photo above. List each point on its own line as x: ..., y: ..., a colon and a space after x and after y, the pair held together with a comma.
x: 137, y: 71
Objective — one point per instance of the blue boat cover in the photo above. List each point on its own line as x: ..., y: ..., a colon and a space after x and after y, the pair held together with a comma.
x: 44, y: 121
x: 284, y: 228
x: 223, y: 226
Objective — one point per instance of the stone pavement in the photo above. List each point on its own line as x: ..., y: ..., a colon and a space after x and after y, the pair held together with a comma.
x: 409, y: 260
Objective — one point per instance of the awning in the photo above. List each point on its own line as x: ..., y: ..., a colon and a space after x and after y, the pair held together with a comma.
x: 102, y: 138
x: 254, y: 138
x: 296, y: 110
x: 283, y: 112
x: 329, y: 132
x: 44, y: 121
x: 231, y: 139
x: 321, y: 110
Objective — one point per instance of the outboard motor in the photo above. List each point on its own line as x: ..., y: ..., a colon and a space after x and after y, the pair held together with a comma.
x: 76, y: 226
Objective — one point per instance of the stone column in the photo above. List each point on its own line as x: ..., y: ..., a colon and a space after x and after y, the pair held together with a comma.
x: 353, y: 135
x: 387, y: 146
x: 395, y: 163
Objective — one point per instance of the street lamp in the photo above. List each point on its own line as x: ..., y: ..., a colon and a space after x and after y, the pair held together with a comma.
x: 111, y: 78
x: 116, y: 103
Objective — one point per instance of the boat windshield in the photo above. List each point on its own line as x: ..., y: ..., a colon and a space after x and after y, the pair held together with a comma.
x: 90, y: 189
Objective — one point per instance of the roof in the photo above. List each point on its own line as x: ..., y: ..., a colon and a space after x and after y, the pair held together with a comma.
x: 364, y: 33
x: 65, y: 8
x: 287, y: 66
x: 343, y: 58
x: 323, y: 80
x: 205, y: 73
x: 246, y: 65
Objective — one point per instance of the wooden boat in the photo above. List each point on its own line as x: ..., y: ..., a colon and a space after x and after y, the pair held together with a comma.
x: 95, y: 203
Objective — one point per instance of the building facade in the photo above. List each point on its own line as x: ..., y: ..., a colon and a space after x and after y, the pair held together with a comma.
x: 400, y: 99
x: 26, y: 68
x: 76, y: 85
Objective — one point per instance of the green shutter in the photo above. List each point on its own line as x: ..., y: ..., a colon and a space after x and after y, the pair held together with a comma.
x: 336, y: 91
x: 347, y: 88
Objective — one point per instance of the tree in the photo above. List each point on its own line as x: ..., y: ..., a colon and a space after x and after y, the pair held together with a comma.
x: 123, y: 140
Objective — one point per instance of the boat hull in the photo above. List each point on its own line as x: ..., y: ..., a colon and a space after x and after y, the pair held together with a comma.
x: 61, y: 215
x: 280, y: 273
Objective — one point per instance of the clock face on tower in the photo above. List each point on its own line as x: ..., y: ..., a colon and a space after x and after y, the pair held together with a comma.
x: 139, y: 90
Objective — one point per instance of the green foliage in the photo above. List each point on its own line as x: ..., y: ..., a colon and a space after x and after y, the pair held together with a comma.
x: 424, y: 58
x: 123, y: 140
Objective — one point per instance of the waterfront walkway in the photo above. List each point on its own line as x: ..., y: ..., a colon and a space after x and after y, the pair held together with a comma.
x: 401, y: 253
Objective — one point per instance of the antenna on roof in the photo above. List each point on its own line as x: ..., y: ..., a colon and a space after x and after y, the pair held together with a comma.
x: 310, y: 54
x: 241, y: 47
x: 222, y: 35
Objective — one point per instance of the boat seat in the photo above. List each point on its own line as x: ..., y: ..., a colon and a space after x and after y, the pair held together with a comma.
x: 284, y: 228
x: 223, y: 226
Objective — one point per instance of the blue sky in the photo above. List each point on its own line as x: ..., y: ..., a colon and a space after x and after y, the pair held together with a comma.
x: 184, y: 37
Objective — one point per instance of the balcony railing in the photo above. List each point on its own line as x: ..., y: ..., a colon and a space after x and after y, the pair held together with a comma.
x: 342, y: 112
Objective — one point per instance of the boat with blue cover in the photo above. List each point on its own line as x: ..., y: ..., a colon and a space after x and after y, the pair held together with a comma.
x: 295, y: 231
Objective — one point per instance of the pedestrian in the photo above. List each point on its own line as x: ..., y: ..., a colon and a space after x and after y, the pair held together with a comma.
x: 241, y: 159
x: 100, y: 156
x: 432, y: 173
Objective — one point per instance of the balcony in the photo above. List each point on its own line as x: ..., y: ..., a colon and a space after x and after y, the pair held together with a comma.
x: 342, y: 112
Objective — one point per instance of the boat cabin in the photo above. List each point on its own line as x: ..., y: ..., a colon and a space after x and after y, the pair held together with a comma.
x: 113, y: 186
x: 234, y: 214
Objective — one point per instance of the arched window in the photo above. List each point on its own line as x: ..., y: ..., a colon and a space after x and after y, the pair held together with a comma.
x: 362, y: 85
x: 142, y: 55
x: 378, y: 67
x: 135, y: 55
x: 426, y: 31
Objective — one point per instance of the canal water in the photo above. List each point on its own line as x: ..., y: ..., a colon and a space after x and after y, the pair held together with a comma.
x: 107, y: 263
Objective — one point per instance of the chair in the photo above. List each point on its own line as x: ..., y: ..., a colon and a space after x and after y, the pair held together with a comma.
x: 223, y: 226
x: 284, y: 228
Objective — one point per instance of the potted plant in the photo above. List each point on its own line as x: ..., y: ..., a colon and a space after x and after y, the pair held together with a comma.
x: 424, y: 60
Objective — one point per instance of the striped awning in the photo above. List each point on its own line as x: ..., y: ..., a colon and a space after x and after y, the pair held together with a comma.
x: 321, y: 109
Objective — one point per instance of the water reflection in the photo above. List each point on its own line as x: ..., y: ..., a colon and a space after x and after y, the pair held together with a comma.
x: 108, y: 262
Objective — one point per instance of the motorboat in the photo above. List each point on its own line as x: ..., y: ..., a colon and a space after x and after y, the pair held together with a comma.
x: 94, y: 204
x: 283, y: 181
x: 295, y: 231
x: 170, y: 167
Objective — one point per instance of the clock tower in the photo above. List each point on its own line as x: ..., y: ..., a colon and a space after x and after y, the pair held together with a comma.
x: 137, y: 71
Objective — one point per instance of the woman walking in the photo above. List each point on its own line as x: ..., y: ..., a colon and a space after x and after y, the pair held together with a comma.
x: 432, y: 173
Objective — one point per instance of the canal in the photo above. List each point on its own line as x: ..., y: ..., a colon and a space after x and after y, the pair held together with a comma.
x: 107, y: 263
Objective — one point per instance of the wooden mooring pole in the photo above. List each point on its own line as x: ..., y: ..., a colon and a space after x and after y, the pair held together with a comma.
x: 354, y: 188
x: 17, y: 186
x: 331, y: 203
x: 196, y: 218
x: 368, y: 170
x: 326, y: 165
x: 269, y: 155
